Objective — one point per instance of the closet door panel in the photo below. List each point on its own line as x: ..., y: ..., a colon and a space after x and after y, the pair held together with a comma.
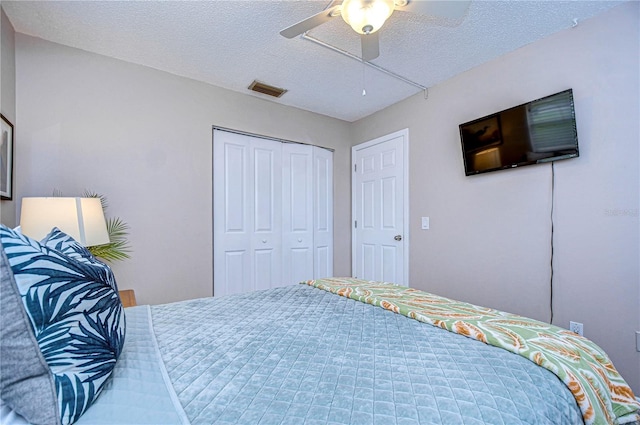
x: 265, y: 261
x: 235, y: 280
x: 235, y: 158
x: 265, y: 195
x: 322, y: 212
x: 266, y: 243
x: 297, y: 213
x: 299, y: 266
x: 231, y: 224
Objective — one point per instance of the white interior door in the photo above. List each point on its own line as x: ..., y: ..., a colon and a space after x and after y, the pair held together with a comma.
x: 297, y: 213
x: 380, y: 209
x: 247, y: 209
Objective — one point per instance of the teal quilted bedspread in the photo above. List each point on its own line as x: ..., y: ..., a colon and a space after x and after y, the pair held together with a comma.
x: 300, y: 355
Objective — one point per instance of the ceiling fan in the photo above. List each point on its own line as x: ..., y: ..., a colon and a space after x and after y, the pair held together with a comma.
x: 367, y: 16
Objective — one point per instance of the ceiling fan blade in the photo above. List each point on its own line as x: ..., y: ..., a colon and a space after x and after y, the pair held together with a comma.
x: 311, y: 22
x: 370, y: 46
x: 451, y: 9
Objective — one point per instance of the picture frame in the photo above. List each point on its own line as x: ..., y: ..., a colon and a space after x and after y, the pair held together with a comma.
x: 6, y: 159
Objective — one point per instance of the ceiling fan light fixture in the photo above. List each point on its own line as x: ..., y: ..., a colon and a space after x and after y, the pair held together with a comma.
x: 366, y: 16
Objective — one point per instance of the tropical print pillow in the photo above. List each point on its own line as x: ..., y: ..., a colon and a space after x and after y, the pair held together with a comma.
x: 26, y: 383
x: 76, y: 316
x: 65, y: 244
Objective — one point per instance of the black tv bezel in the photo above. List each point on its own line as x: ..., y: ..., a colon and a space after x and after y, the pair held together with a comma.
x: 523, y: 163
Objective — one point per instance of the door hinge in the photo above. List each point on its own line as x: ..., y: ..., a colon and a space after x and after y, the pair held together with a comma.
x: 356, y: 223
x: 355, y: 168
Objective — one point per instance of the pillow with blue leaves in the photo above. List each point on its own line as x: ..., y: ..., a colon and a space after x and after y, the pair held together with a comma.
x: 65, y: 244
x: 75, y: 313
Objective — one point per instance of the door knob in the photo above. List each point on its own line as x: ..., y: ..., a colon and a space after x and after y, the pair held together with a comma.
x: 264, y: 241
x: 398, y: 237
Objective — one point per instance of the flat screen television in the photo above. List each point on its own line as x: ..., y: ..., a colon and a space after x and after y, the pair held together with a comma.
x: 539, y: 131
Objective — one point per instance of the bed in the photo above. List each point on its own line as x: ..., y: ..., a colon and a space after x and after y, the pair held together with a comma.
x: 330, y: 351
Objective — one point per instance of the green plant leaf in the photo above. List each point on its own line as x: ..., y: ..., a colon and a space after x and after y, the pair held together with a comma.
x: 91, y: 194
x: 118, y: 248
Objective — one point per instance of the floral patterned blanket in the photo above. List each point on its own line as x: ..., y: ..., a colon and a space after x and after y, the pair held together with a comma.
x: 601, y: 393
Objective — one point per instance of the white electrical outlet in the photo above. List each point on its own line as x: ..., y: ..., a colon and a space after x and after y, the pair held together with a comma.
x: 576, y: 327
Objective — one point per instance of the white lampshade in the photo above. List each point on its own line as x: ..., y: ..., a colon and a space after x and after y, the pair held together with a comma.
x: 366, y: 16
x: 80, y: 218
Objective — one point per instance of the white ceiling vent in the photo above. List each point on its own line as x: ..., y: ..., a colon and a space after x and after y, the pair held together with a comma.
x: 263, y: 88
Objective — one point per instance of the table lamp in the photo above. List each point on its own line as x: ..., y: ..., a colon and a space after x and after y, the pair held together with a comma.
x: 80, y: 218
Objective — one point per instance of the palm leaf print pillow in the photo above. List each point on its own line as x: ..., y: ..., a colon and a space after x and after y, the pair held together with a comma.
x: 75, y: 313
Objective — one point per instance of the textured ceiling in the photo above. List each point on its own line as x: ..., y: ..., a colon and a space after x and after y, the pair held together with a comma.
x: 231, y: 43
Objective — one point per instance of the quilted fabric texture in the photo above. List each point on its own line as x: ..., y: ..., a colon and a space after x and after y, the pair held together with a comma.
x: 298, y: 355
x: 138, y: 392
x: 603, y: 396
x: 75, y: 314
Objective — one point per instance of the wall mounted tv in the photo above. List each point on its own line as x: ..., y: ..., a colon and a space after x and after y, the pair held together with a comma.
x: 539, y: 131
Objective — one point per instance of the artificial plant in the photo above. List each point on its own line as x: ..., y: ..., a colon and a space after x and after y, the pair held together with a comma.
x: 118, y: 248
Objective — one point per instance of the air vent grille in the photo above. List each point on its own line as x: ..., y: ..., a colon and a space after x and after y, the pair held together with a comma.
x: 263, y: 88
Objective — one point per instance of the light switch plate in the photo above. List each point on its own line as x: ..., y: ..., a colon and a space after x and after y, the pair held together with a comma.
x: 425, y: 223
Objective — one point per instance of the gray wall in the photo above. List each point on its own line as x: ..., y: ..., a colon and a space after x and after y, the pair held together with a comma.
x: 143, y: 138
x: 489, y: 241
x: 8, y: 100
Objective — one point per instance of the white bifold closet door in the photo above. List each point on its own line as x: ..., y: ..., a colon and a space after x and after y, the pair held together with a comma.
x: 272, y: 213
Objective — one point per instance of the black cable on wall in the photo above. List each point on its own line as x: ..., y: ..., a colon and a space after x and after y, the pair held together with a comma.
x: 553, y: 183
